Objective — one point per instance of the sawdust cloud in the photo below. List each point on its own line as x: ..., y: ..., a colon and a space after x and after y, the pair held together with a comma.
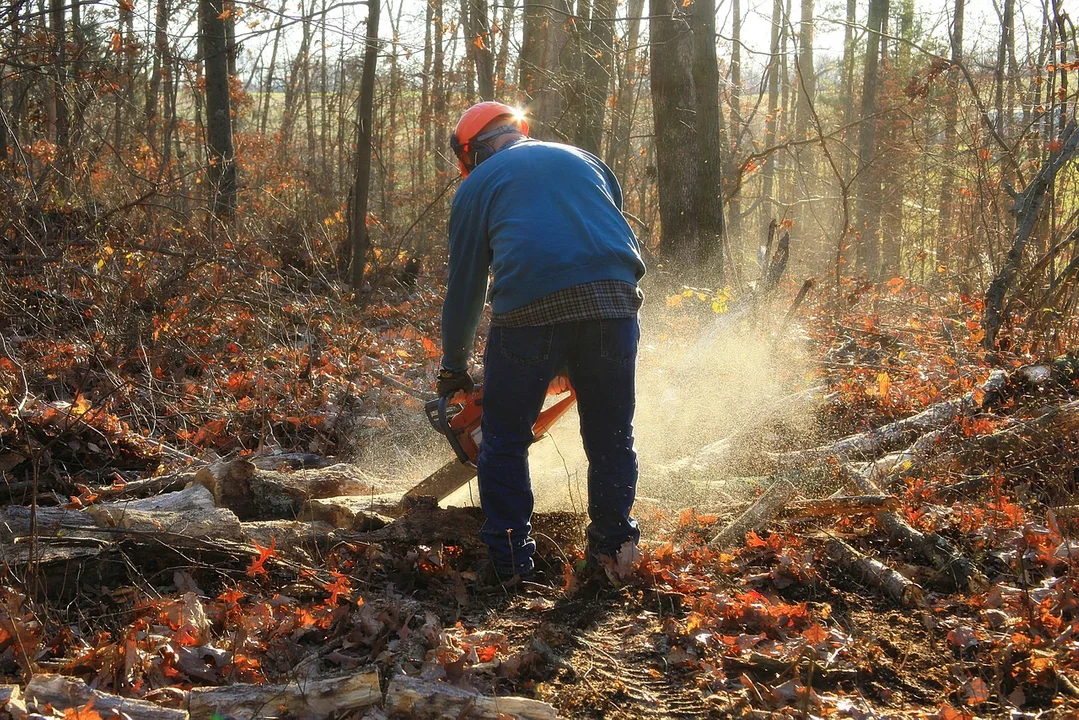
x: 693, y: 389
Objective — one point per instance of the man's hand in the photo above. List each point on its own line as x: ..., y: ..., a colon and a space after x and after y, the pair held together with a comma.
x: 452, y: 381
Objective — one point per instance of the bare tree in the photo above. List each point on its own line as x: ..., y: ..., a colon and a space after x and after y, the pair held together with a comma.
x: 868, y: 208
x: 951, y: 139
x: 222, y: 166
x: 358, y: 240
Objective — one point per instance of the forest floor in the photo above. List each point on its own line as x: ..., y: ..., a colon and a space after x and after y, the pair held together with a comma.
x: 940, y: 580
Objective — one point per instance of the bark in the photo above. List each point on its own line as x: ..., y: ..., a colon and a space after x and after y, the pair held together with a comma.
x: 68, y: 693
x: 58, y: 99
x: 541, y: 72
x: 597, y: 58
x: 875, y: 574
x: 945, y: 227
x: 1027, y: 210
x: 438, y: 81
x: 222, y: 165
x: 772, y: 119
x: 710, y: 230
x: 425, y: 87
x: 216, y: 523
x: 505, y: 31
x: 478, y: 30
x: 160, y: 61
x: 737, y: 125
x: 895, y: 172
x: 673, y: 112
x: 764, y: 509
x: 358, y: 239
x: 848, y: 77
x: 310, y: 697
x: 618, y: 144
x: 807, y: 78
x: 869, y: 191
x: 421, y: 699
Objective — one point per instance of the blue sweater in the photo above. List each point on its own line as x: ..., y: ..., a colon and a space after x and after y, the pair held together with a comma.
x: 541, y: 217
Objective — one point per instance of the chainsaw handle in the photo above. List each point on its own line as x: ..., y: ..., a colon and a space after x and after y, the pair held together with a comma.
x: 439, y: 417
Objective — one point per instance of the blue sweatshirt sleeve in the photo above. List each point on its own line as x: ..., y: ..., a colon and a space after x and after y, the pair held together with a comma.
x: 466, y: 287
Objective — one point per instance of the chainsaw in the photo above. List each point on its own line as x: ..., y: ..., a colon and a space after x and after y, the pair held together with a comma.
x: 459, y: 421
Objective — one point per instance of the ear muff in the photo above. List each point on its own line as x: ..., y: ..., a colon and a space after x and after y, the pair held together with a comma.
x: 477, y: 150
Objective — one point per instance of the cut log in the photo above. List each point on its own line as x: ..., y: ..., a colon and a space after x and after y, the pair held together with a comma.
x: 15, y: 521
x: 843, y: 505
x: 350, y: 512
x: 255, y: 494
x: 875, y: 574
x: 292, y: 538
x: 940, y: 553
x: 313, y: 697
x: 414, y: 698
x: 218, y: 523
x: 764, y: 509
x: 194, y: 497
x: 64, y: 693
x: 12, y: 706
x: 146, y: 486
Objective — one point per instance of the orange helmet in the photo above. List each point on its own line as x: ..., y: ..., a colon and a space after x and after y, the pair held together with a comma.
x: 471, y: 148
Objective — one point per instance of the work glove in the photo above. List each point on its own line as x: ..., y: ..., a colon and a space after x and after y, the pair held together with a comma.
x: 453, y: 381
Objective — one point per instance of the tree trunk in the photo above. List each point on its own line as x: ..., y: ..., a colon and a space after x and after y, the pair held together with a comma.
x: 945, y: 228
x: 596, y: 74
x: 896, y: 171
x: 438, y: 81
x: 478, y: 29
x: 505, y: 30
x: 673, y: 112
x: 425, y: 89
x: 622, y: 117
x: 308, y: 110
x: 772, y: 123
x: 267, y: 88
x: 737, y: 125
x: 807, y: 79
x: 222, y: 166
x: 542, y: 81
x: 709, y: 187
x: 161, y: 50
x: 357, y: 217
x: 868, y: 210
x: 59, y: 90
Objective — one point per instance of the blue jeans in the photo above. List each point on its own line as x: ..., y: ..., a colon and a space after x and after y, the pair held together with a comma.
x: 600, y: 357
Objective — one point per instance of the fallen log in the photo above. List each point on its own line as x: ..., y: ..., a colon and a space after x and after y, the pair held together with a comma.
x: 874, y: 573
x: 146, y: 486
x: 872, y: 443
x: 420, y: 699
x: 194, y: 497
x: 352, y: 512
x: 940, y: 553
x: 218, y: 523
x: 255, y: 494
x: 313, y: 697
x: 68, y: 693
x: 764, y: 509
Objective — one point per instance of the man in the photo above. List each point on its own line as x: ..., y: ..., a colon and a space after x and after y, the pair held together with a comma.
x: 545, y: 219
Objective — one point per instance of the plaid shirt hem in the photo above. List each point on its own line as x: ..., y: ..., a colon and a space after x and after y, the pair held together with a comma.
x: 597, y: 300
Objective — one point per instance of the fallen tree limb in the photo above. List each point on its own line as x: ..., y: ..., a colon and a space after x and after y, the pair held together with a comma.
x: 937, y: 550
x: 66, y: 693
x: 764, y: 509
x: 875, y: 573
x: 315, y: 697
x: 218, y: 523
x: 420, y: 699
x: 871, y: 443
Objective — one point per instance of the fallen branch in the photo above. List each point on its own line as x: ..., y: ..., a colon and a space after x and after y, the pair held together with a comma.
x: 315, y: 697
x: 68, y: 693
x: 937, y: 550
x: 875, y: 573
x: 419, y: 699
x: 843, y: 505
x: 764, y: 509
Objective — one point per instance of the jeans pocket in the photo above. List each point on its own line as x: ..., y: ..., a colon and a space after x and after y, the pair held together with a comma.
x: 526, y: 345
x: 618, y: 340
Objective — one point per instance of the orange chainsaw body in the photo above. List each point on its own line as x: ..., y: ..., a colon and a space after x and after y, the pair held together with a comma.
x: 460, y: 422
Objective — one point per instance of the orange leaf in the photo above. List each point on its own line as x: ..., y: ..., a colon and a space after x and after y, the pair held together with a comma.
x: 884, y: 384
x: 86, y: 712
x: 754, y: 540
x: 265, y: 553
x: 815, y: 633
